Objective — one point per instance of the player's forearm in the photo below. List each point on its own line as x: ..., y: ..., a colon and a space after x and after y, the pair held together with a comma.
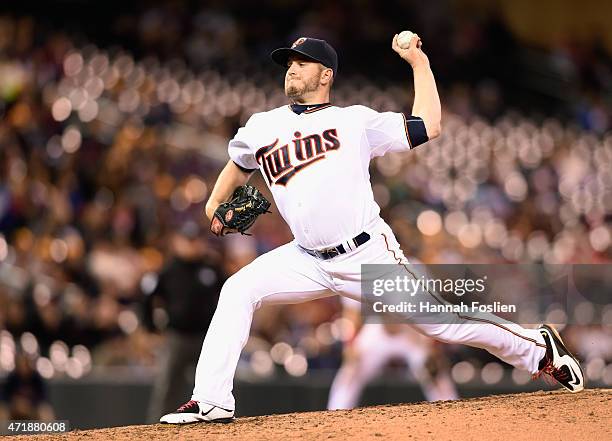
x: 230, y: 177
x: 426, y: 100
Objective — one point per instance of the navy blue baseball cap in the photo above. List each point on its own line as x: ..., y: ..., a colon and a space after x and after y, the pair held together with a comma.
x: 311, y: 49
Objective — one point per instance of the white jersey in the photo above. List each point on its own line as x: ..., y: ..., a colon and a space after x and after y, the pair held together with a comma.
x: 316, y: 166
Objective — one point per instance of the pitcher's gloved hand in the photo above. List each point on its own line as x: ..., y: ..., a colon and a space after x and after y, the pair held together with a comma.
x: 240, y: 212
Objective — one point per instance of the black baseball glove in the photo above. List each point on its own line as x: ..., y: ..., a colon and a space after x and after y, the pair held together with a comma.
x: 240, y: 212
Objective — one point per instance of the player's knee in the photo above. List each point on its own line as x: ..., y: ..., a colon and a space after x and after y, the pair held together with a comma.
x: 236, y: 292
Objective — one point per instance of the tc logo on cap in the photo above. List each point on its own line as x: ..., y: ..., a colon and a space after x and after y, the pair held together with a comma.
x: 298, y: 42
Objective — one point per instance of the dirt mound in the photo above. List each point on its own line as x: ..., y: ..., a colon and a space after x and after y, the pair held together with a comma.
x: 536, y: 416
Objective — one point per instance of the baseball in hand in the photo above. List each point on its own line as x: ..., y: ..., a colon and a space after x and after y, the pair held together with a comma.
x: 403, y: 39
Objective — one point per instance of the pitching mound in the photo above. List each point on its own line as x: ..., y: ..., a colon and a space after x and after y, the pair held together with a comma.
x: 536, y: 416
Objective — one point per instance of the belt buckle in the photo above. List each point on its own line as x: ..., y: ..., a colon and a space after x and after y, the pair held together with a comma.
x: 329, y: 253
x: 332, y: 252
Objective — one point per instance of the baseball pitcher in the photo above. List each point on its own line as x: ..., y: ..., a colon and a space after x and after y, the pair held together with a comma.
x: 314, y: 157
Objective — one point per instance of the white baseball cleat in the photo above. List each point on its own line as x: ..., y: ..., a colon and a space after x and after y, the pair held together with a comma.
x: 196, y: 412
x: 559, y: 362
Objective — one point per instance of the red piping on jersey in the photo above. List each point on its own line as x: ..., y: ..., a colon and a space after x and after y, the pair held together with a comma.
x: 406, y: 129
x: 457, y: 314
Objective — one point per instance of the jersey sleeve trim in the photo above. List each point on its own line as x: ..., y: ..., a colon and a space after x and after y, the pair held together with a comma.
x: 406, y: 129
x: 244, y: 169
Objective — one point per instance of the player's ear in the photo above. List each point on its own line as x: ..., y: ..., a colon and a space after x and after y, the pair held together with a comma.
x: 327, y: 76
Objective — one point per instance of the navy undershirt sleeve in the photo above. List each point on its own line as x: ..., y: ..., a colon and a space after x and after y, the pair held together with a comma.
x: 415, y: 128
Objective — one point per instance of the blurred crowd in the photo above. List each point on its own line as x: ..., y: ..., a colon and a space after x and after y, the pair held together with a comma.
x: 108, y: 155
x: 480, y: 64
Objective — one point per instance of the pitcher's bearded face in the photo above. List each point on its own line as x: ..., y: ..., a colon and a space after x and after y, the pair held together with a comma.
x: 302, y: 77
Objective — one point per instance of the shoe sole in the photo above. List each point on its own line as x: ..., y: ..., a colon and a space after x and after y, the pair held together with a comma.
x: 561, y: 343
x: 218, y: 420
x: 222, y: 420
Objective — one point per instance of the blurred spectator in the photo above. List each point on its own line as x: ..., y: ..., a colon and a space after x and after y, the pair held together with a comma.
x: 188, y: 290
x: 24, y: 395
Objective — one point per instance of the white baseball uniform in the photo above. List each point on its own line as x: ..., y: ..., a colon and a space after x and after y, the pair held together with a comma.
x: 316, y: 165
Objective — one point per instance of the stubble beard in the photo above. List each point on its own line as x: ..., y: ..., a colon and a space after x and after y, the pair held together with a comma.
x: 296, y: 93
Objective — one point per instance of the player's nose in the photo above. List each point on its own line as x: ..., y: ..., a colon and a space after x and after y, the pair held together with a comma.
x: 292, y: 68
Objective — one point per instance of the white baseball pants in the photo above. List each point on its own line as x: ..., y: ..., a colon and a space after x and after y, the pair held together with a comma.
x: 290, y: 275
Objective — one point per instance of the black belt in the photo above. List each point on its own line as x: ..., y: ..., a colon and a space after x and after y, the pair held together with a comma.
x: 329, y: 253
